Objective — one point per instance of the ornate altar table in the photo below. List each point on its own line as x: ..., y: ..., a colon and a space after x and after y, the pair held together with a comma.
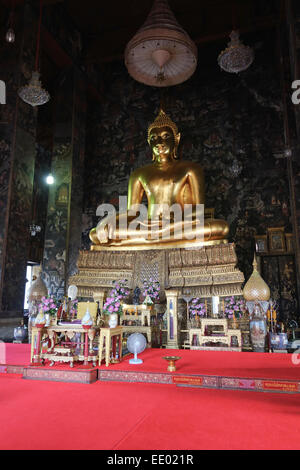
x: 224, y: 335
x: 62, y: 351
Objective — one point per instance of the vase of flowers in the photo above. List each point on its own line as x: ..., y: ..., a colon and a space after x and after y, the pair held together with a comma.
x: 151, y: 291
x: 197, y: 309
x: 49, y: 305
x: 113, y: 305
x: 234, y: 308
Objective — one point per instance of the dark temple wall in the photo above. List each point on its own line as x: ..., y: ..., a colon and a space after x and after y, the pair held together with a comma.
x: 18, y: 133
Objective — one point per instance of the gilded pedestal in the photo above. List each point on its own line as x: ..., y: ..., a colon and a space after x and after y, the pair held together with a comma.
x: 204, y: 272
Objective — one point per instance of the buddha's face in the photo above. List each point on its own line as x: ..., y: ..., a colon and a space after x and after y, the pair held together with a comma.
x: 162, y: 143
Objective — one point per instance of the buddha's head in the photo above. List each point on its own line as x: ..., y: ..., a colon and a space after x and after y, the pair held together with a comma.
x: 163, y: 138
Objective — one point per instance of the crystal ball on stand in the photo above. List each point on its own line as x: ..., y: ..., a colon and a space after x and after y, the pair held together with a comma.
x: 136, y: 344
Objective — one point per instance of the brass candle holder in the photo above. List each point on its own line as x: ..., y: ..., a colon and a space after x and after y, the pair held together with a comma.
x: 171, y: 362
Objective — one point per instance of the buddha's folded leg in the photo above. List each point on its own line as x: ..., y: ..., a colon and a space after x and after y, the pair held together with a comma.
x: 219, y: 229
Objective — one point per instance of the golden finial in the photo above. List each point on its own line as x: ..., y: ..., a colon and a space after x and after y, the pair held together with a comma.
x: 256, y: 288
x: 163, y: 120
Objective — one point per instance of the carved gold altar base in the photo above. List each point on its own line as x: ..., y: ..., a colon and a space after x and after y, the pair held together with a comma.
x: 201, y: 272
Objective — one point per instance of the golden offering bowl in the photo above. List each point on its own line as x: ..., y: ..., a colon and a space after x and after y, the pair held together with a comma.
x: 171, y: 360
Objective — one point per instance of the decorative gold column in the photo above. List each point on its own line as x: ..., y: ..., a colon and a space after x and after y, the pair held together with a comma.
x: 172, y: 319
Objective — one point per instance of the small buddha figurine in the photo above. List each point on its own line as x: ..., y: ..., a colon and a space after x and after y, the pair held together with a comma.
x: 166, y: 182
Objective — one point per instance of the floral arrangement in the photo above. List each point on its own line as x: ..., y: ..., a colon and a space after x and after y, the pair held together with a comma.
x: 151, y: 289
x: 234, y: 307
x: 197, y: 308
x: 113, y: 302
x: 49, y: 305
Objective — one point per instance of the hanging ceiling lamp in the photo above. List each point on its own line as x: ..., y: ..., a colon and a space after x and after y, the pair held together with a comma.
x: 161, y: 53
x: 236, y: 57
x: 10, y: 34
x: 33, y: 93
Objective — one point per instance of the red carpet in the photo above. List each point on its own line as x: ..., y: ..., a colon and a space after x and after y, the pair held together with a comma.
x: 115, y: 416
x: 123, y: 416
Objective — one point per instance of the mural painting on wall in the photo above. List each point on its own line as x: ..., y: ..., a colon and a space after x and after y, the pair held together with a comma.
x: 19, y: 220
x: 57, y: 221
x: 4, y: 182
x: 40, y: 196
x: 79, y: 134
x: 17, y: 247
x: 63, y: 236
x: 18, y: 124
x: 55, y: 250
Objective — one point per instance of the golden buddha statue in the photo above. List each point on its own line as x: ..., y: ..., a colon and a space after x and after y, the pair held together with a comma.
x: 167, y: 182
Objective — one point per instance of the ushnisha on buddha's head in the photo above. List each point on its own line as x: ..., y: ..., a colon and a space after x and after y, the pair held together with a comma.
x: 163, y: 138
